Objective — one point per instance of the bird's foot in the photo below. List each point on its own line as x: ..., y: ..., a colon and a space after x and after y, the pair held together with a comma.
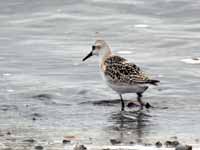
x: 132, y: 105
x: 122, y: 109
x: 147, y: 106
x: 136, y: 105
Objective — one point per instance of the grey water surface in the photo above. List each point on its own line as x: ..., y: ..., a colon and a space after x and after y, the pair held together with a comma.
x: 48, y: 93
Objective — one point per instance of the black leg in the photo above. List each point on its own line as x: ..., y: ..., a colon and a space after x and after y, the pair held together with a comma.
x: 139, y: 99
x: 122, y: 102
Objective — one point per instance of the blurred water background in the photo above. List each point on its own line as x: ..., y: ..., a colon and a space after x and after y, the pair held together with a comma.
x: 47, y: 92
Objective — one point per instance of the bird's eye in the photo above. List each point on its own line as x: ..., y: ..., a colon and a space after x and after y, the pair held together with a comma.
x: 98, y: 47
x: 93, y: 47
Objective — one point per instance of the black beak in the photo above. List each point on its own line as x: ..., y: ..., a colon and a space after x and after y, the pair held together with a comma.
x: 88, y: 55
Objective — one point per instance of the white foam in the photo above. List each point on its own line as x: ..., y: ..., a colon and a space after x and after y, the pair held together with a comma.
x: 76, y: 64
x: 160, y: 75
x: 124, y: 52
x: 58, y: 94
x: 141, y: 26
x: 10, y: 90
x: 6, y: 74
x: 191, y: 60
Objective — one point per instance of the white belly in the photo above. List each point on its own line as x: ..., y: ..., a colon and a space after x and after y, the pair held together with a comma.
x: 125, y: 88
x: 122, y: 89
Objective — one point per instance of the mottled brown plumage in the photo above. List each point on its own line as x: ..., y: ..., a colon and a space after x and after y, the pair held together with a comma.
x: 118, y: 70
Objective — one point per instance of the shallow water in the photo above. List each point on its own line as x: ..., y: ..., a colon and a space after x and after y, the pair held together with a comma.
x: 47, y: 92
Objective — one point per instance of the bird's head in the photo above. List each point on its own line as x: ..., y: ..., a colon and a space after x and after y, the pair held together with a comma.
x: 100, y: 48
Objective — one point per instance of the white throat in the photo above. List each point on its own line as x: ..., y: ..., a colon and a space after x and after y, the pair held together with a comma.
x: 104, y: 53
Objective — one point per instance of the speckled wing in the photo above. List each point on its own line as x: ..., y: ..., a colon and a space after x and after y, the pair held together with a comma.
x: 125, y: 73
x: 118, y: 70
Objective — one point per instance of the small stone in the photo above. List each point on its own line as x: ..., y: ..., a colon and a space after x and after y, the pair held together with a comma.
x: 147, y: 144
x: 174, y: 137
x: 131, y: 142
x: 158, y: 144
x: 168, y: 143
x: 36, y: 115
x: 114, y: 141
x: 42, y: 96
x: 175, y: 143
x: 39, y: 147
x: 29, y: 140
x: 66, y: 141
x: 80, y: 147
x: 69, y: 137
x: 183, y: 147
x: 171, y: 143
x: 195, y: 58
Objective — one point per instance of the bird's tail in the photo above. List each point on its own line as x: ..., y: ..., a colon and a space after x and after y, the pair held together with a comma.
x: 153, y: 82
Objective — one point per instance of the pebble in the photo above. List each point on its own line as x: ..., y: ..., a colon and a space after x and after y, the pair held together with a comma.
x: 36, y: 115
x: 114, y: 141
x: 66, y: 141
x: 80, y: 147
x: 147, y: 144
x: 158, y: 144
x: 175, y: 143
x: 174, y: 137
x: 131, y: 142
x: 39, y: 147
x: 29, y: 140
x: 183, y: 147
x: 69, y: 137
x: 171, y: 143
x: 42, y: 96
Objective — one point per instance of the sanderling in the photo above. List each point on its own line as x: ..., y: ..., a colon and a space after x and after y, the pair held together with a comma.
x: 122, y: 76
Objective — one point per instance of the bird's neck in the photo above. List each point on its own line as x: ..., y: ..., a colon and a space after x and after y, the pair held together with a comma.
x: 105, y: 53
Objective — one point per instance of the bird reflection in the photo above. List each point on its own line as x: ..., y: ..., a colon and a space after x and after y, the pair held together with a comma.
x: 130, y: 126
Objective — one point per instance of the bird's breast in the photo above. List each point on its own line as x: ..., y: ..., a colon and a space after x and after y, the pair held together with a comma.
x: 103, y: 67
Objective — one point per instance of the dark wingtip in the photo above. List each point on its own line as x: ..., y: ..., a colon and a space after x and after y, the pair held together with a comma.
x: 154, y: 82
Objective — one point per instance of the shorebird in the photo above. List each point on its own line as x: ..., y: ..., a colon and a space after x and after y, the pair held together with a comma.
x: 120, y: 75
